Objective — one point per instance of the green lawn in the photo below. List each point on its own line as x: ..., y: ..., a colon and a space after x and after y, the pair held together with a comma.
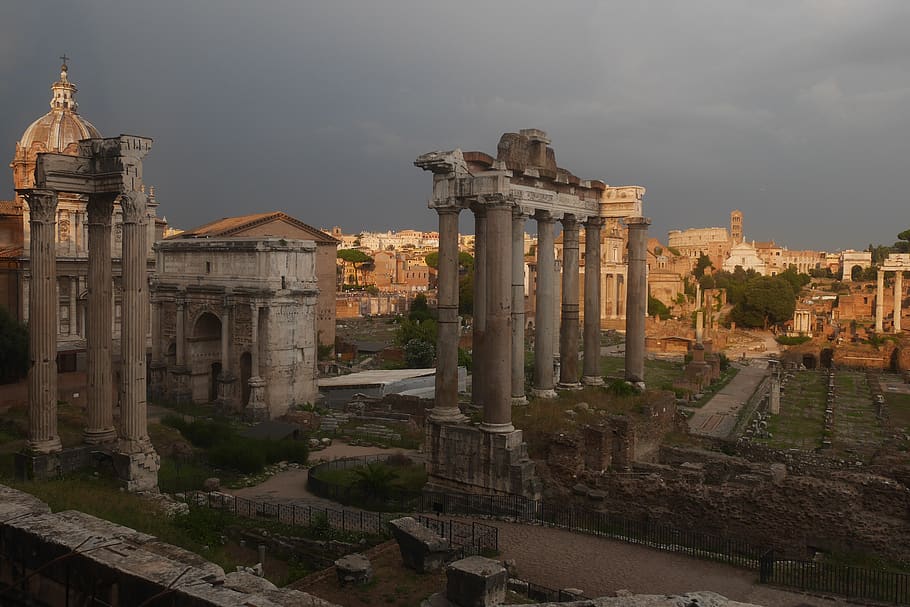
x: 659, y: 374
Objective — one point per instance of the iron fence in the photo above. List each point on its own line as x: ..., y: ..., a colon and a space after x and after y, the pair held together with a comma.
x: 853, y: 582
x: 471, y: 538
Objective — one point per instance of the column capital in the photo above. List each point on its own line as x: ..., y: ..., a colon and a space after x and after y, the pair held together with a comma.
x: 639, y: 223
x: 133, y: 204
x: 180, y: 300
x: 229, y: 301
x: 544, y: 216
x: 42, y: 205
x: 569, y: 222
x: 448, y: 210
x: 594, y: 222
x: 493, y: 201
x: 101, y: 207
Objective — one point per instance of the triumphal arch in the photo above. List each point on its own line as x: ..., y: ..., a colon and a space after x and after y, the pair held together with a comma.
x: 521, y: 182
x: 105, y: 170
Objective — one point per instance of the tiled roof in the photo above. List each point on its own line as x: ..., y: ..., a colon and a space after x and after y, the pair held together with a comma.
x: 229, y: 226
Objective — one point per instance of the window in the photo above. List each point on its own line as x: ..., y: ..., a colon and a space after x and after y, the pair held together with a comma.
x: 208, y: 267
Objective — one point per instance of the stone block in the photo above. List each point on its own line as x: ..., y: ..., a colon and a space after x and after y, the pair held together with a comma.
x: 354, y: 569
x: 211, y: 484
x: 421, y: 549
x: 476, y: 582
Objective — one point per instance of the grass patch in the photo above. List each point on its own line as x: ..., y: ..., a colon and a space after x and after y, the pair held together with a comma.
x: 659, y: 374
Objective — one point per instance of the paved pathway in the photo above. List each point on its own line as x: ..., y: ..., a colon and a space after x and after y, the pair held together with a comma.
x: 563, y: 559
x: 717, y: 417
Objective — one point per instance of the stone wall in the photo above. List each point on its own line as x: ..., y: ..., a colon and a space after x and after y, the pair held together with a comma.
x: 795, y: 505
x: 117, y: 565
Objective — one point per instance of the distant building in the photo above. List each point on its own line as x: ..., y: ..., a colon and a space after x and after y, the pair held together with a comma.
x: 746, y: 256
x: 281, y: 225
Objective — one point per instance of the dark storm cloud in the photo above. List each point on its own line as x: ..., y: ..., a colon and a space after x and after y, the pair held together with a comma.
x: 795, y: 112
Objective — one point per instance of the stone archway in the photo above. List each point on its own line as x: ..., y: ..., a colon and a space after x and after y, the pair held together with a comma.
x: 856, y: 273
x: 810, y: 361
x: 204, y: 355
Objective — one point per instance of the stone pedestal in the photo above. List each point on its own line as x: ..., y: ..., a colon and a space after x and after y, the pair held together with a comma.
x: 138, y: 471
x: 257, y: 410
x: 180, y: 390
x: 157, y: 380
x: 476, y: 582
x: 226, y: 393
x: 464, y: 458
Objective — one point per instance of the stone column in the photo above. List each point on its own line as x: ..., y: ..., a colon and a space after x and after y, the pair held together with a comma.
x: 544, y: 330
x: 518, y: 308
x: 497, y: 358
x: 42, y: 313
x: 445, y: 408
x: 568, y: 331
x: 99, y: 426
x: 479, y: 350
x: 256, y: 407
x: 591, y: 375
x: 636, y: 299
x: 898, y: 289
x: 880, y: 302
x: 226, y: 379
x: 134, y: 423
x: 181, y: 330
x: 74, y: 291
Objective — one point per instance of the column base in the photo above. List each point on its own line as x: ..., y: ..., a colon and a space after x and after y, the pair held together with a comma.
x: 545, y: 393
x: 138, y: 471
x: 180, y: 391
x: 226, y: 400
x: 592, y: 380
x: 566, y: 386
x: 49, y: 445
x: 447, y: 415
x: 519, y: 401
x: 497, y: 428
x: 101, y: 436
x: 157, y: 374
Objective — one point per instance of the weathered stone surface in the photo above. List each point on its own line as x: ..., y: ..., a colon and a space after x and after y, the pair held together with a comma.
x: 354, y: 569
x: 421, y: 549
x: 211, y: 484
x: 476, y: 582
x: 110, y: 555
x: 690, y: 599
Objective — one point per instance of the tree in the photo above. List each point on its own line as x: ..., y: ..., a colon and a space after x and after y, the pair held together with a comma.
x: 465, y: 261
x: 766, y: 300
x: 13, y: 348
x: 657, y: 308
x: 703, y: 263
x: 354, y: 257
x: 419, y: 353
x: 420, y: 309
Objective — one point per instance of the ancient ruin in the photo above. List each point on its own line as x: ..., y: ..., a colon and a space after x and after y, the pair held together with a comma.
x: 104, y: 170
x: 234, y: 322
x: 521, y: 182
x: 897, y: 263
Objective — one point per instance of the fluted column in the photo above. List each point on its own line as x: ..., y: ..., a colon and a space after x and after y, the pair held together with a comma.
x: 99, y: 427
x: 518, y: 308
x: 445, y: 408
x: 636, y: 299
x: 568, y: 327
x: 898, y: 288
x: 546, y: 308
x: 591, y: 375
x: 226, y: 337
x: 42, y: 313
x: 181, y: 330
x: 478, y: 346
x: 133, y: 415
x: 497, y: 359
x: 880, y: 302
x: 254, y: 340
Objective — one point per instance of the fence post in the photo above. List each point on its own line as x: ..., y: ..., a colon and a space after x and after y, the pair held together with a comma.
x: 766, y: 567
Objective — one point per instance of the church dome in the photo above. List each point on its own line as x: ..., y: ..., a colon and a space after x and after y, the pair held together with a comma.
x: 57, y: 131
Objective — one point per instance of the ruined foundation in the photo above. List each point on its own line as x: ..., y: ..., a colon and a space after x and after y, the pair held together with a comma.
x: 465, y: 458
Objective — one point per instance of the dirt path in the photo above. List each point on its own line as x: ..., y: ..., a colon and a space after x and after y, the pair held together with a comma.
x: 290, y: 485
x: 600, y: 567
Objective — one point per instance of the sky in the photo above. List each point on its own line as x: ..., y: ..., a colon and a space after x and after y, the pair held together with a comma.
x: 796, y: 112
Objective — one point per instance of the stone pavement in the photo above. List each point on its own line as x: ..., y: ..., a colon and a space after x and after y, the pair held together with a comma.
x: 717, y: 417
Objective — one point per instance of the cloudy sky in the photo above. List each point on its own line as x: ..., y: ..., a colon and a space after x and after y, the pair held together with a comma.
x: 797, y: 112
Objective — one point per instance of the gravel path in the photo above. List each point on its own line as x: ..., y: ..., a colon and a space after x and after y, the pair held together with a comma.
x: 600, y: 567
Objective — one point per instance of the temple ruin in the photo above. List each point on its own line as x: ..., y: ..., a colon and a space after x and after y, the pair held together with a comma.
x: 104, y: 170
x: 522, y: 182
